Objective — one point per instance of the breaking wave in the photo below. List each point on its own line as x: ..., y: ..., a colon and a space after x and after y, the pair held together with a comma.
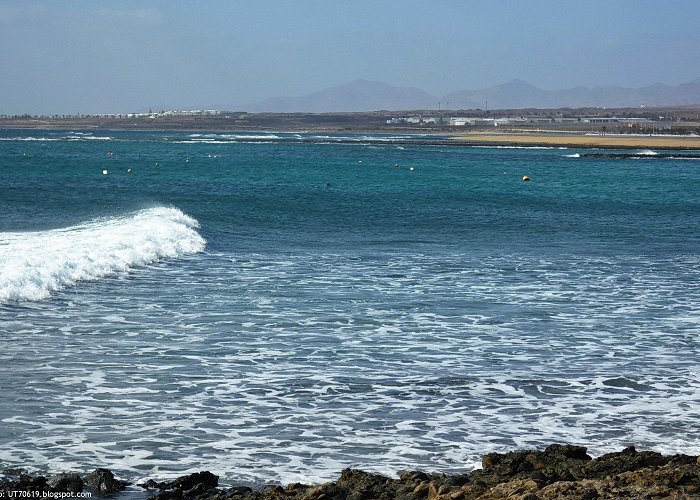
x: 34, y: 265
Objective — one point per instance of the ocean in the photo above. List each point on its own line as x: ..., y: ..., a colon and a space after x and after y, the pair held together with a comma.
x: 276, y: 307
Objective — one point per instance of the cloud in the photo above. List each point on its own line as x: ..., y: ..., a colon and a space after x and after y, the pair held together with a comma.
x: 144, y: 17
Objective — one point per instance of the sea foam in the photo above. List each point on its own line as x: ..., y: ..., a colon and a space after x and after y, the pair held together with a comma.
x: 34, y: 265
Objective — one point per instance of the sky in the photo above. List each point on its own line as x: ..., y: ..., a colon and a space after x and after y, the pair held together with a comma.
x: 104, y: 56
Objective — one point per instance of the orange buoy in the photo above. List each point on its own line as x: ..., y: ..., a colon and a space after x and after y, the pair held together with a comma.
x: 526, y: 178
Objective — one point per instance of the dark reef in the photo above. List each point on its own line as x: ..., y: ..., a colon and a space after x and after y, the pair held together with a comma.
x: 560, y: 471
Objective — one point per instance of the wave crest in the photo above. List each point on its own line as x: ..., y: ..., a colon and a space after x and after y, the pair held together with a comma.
x: 34, y: 265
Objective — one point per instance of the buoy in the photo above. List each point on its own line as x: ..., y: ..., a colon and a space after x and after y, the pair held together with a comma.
x: 104, y: 172
x: 397, y: 165
x: 411, y: 169
x: 130, y: 170
x: 526, y: 178
x: 109, y: 154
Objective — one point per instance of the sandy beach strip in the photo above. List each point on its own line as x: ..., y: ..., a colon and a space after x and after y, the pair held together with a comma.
x: 580, y: 140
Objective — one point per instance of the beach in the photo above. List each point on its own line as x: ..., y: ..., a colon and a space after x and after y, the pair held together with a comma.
x: 576, y: 140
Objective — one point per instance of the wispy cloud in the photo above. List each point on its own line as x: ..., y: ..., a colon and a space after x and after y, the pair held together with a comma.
x: 145, y: 17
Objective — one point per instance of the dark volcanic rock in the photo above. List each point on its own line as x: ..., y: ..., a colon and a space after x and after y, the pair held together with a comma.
x: 556, y: 463
x: 626, y: 460
x: 560, y: 471
x: 103, y: 481
x: 26, y: 483
x: 71, y: 483
x: 196, y: 485
x: 565, y: 471
x: 205, y: 479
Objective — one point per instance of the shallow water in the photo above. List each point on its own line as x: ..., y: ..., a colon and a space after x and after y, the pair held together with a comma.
x: 277, y: 307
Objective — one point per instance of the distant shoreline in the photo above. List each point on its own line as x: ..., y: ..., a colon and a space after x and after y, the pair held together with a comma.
x: 525, y: 138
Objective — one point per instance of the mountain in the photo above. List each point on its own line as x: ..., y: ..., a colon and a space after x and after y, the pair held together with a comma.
x: 506, y: 95
x: 363, y: 95
x: 360, y: 95
x: 520, y: 94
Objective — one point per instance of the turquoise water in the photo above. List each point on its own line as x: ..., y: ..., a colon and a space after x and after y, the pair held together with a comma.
x: 275, y: 307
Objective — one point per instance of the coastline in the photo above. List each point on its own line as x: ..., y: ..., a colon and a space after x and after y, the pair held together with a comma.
x: 506, y: 138
x: 559, y: 471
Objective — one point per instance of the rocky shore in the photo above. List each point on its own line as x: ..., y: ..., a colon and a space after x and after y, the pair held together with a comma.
x: 560, y: 471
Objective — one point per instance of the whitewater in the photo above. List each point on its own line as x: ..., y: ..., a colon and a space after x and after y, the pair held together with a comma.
x: 34, y: 265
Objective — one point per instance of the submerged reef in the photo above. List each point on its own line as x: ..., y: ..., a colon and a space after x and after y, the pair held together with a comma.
x: 560, y: 471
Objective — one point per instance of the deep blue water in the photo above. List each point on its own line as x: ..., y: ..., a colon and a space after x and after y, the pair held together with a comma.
x: 275, y: 307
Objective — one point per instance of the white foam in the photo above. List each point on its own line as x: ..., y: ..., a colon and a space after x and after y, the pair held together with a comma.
x: 75, y: 136
x: 34, y: 265
x: 233, y: 137
x: 88, y: 138
x: 30, y: 139
x: 385, y: 362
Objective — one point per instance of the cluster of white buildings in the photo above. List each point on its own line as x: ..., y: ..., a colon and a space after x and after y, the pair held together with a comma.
x: 412, y: 120
x: 517, y: 120
x: 188, y: 112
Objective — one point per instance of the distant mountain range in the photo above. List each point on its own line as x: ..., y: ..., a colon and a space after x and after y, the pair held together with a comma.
x: 363, y: 95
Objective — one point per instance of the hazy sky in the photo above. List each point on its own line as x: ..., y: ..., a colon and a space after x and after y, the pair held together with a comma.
x: 73, y: 56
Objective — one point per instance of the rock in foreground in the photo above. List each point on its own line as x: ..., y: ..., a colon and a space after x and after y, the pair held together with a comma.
x: 560, y: 471
x: 66, y: 485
